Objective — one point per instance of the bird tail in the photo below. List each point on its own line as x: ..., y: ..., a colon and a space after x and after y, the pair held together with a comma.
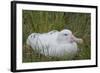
x: 28, y: 41
x: 30, y: 37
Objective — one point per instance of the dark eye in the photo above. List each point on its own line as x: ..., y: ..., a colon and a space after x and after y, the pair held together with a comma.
x: 65, y: 34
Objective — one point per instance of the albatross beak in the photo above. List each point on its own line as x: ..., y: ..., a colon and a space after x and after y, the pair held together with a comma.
x: 75, y: 39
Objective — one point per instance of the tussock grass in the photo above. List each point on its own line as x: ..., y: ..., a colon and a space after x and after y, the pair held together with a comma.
x: 45, y: 21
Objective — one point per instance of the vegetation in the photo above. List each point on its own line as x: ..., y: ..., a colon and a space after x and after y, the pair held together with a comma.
x: 44, y: 21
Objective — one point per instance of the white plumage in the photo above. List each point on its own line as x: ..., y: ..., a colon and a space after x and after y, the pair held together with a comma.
x: 55, y: 43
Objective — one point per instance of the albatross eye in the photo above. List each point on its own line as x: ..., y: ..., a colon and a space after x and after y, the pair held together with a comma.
x: 65, y: 34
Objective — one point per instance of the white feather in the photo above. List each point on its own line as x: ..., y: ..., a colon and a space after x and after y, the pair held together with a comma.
x: 54, y: 43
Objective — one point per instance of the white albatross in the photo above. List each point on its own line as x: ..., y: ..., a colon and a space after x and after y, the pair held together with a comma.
x: 55, y: 43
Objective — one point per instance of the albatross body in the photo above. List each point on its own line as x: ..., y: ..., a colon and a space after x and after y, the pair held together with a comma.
x: 54, y: 43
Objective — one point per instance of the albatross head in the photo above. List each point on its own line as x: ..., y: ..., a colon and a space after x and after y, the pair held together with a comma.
x: 67, y: 36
